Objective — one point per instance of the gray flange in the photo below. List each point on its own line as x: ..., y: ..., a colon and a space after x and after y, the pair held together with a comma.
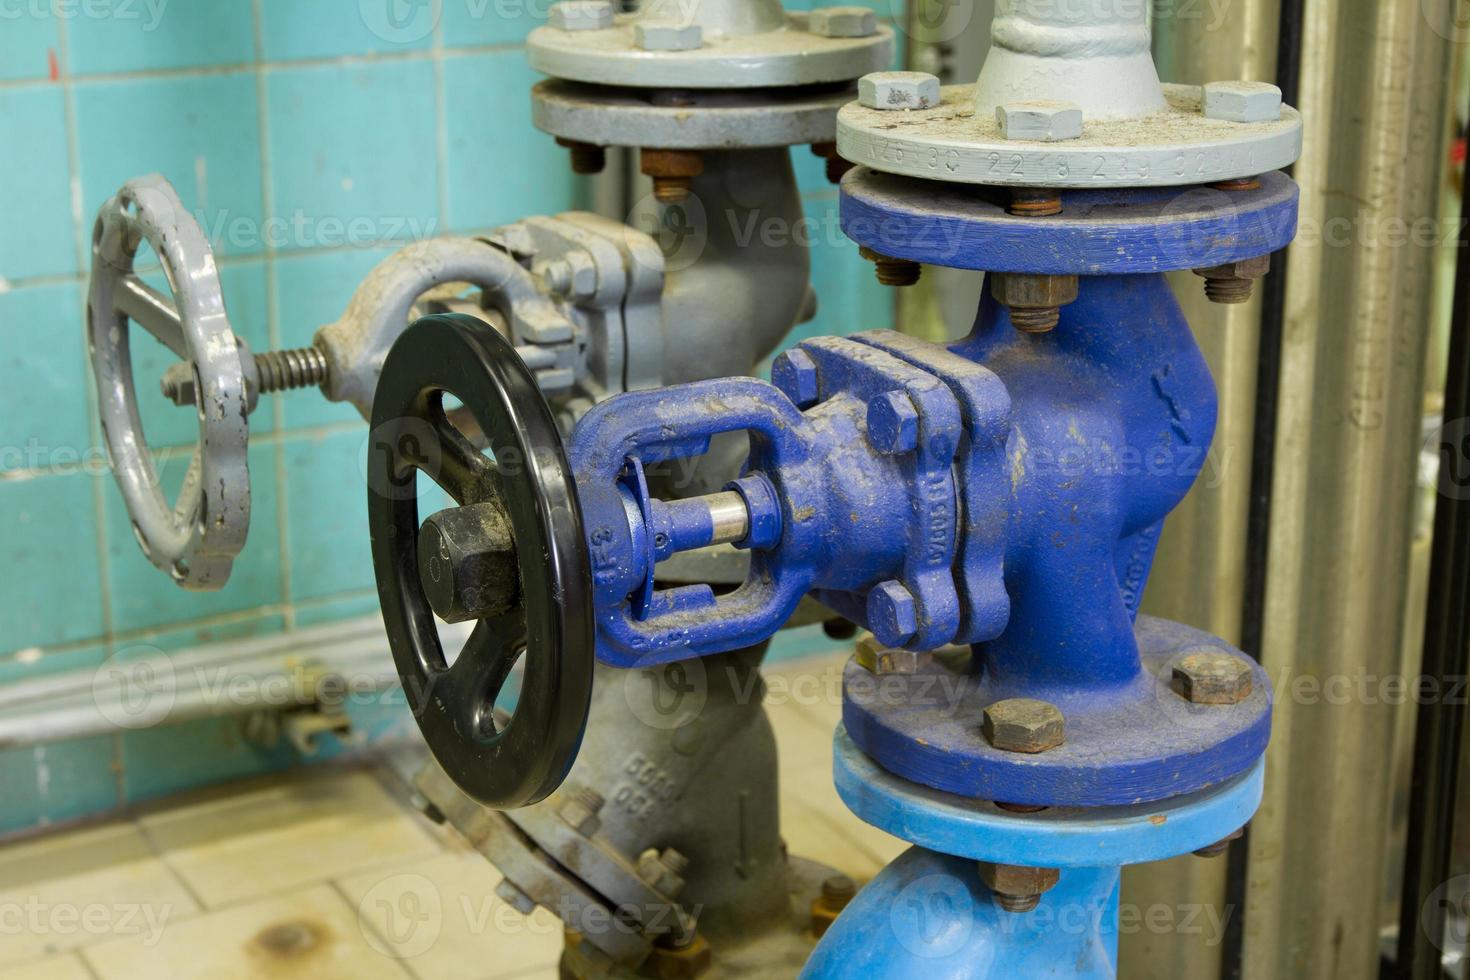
x: 690, y: 120
x: 790, y: 54
x: 1176, y: 146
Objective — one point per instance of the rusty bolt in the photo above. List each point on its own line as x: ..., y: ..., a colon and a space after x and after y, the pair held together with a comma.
x: 1220, y: 846
x: 580, y: 810
x: 586, y: 157
x: 663, y: 872
x: 1024, y: 725
x: 1018, y: 889
x: 467, y: 562
x: 875, y: 658
x: 837, y: 892
x: 837, y: 165
x: 1034, y: 202
x: 1233, y: 281
x: 673, y: 172
x: 891, y: 271
x: 1213, y: 677
x: 1035, y: 301
x: 676, y: 957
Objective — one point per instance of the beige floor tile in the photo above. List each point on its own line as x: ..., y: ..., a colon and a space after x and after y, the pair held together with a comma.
x: 443, y: 919
x: 75, y: 888
x: 271, y: 840
x: 311, y: 933
x: 813, y: 685
x: 67, y: 967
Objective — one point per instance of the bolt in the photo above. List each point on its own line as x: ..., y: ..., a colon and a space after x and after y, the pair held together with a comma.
x: 891, y: 271
x: 581, y: 15
x: 1242, y: 102
x: 1034, y: 202
x: 586, y: 157
x: 1238, y: 184
x: 1220, y: 846
x: 467, y: 562
x: 893, y: 423
x: 673, y: 172
x: 1035, y: 301
x: 1040, y: 121
x: 837, y: 165
x: 663, y: 872
x: 580, y: 810
x: 1233, y: 282
x: 680, y: 956
x: 795, y: 373
x: 892, y: 615
x: 1213, y: 677
x: 1016, y: 888
x: 843, y: 22
x: 667, y: 35
x: 282, y: 370
x: 1024, y: 725
x: 514, y: 897
x: 887, y: 90
x: 838, y: 892
x: 878, y: 659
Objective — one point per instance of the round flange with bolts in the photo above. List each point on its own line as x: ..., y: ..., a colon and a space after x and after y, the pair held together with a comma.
x: 740, y: 44
x: 546, y: 615
x: 196, y: 538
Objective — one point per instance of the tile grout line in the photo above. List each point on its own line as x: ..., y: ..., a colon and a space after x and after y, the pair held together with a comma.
x: 272, y: 314
x: 441, y: 124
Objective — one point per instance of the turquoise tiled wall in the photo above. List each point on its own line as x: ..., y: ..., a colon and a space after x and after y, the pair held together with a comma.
x: 327, y: 110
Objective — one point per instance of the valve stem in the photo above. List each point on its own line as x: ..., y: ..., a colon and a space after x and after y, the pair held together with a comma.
x: 280, y: 370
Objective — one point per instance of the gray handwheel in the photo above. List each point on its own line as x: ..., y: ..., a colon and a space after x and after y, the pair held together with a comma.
x: 196, y: 538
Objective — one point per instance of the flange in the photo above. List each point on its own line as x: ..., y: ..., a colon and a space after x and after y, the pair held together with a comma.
x: 788, y: 54
x: 690, y: 120
x: 1177, y: 145
x: 1058, y: 837
x: 1113, y: 232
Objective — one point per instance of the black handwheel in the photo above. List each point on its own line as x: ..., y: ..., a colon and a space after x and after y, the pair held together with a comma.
x: 512, y: 556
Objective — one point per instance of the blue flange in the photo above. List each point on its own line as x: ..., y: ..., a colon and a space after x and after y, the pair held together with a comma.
x: 1098, y: 232
x: 1059, y: 837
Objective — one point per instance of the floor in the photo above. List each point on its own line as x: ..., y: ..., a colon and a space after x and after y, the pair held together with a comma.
x: 330, y: 874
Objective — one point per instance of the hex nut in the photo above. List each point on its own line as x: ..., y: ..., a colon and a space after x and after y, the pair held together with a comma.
x: 893, y: 423
x: 837, y: 893
x: 892, y: 614
x: 1040, y: 120
x: 580, y: 810
x: 1252, y: 268
x: 667, y: 35
x: 1024, y: 725
x: 1243, y: 102
x: 467, y: 562
x: 654, y: 868
x: 1028, y: 291
x: 1017, y: 888
x: 671, y: 960
x: 878, y: 659
x: 581, y: 15
x: 795, y: 373
x: 843, y: 22
x: 1213, y: 677
x: 899, y: 90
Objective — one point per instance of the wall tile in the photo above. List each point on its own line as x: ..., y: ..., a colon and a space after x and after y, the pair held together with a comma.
x: 313, y: 289
x: 57, y: 782
x: 500, y: 168
x: 144, y: 597
x: 326, y: 508
x: 35, y: 185
x: 48, y: 547
x: 43, y: 382
x: 146, y: 35
x: 200, y: 132
x: 291, y: 29
x: 353, y: 158
x: 35, y: 662
x: 476, y: 22
x: 29, y: 41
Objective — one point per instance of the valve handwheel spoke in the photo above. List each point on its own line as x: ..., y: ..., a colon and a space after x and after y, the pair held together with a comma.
x: 512, y: 557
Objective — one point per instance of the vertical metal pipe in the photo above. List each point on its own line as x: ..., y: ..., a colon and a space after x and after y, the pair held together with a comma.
x: 1375, y: 96
x: 1200, y: 571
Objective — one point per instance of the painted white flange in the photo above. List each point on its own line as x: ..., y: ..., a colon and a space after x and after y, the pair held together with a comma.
x: 788, y: 55
x: 1176, y: 146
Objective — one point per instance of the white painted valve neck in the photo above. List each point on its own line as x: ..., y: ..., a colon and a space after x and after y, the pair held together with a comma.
x: 732, y: 18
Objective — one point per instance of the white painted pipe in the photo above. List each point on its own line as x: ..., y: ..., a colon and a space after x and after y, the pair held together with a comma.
x: 714, y: 17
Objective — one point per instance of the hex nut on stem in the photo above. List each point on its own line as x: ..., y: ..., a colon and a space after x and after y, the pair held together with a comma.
x: 1213, y: 677
x: 1016, y: 888
x: 891, y: 90
x: 1024, y: 725
x: 1035, y: 301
